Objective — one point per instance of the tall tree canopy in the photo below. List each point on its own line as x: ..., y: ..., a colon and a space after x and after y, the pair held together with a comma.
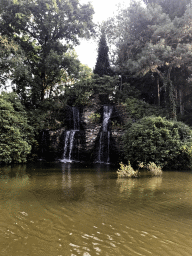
x: 45, y: 31
x: 174, y: 8
x: 148, y: 40
x: 10, y: 56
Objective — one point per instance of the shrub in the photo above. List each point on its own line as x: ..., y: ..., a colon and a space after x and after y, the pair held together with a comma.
x: 155, y: 139
x: 152, y: 169
x: 126, y: 171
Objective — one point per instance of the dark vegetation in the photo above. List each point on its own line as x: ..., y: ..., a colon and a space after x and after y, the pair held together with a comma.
x: 144, y: 63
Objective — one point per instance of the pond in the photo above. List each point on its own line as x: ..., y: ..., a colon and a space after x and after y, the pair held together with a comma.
x: 67, y: 209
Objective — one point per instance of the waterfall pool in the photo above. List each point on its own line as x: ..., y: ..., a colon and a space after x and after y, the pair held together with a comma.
x: 56, y: 209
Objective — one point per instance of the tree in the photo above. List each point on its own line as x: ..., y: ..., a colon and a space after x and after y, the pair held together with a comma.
x: 174, y: 8
x: 150, y: 41
x: 45, y: 31
x: 10, y: 57
x: 16, y: 136
x: 79, y: 91
x: 102, y: 66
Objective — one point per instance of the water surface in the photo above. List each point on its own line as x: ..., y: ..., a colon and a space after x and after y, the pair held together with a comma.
x: 65, y: 209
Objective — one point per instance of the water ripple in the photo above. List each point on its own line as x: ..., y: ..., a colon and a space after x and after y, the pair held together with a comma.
x: 91, y: 214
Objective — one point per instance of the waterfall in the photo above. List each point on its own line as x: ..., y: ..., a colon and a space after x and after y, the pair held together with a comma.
x: 69, y: 140
x: 66, y: 144
x: 107, y: 111
x: 104, y: 139
x: 100, y: 148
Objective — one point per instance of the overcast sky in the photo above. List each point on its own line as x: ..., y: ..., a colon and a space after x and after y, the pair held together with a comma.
x: 87, y: 50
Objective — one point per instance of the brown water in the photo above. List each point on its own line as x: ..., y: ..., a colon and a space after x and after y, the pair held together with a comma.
x: 62, y: 209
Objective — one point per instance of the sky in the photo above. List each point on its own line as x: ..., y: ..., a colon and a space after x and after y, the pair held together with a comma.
x: 87, y: 50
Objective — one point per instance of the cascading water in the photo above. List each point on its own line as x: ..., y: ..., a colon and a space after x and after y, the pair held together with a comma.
x: 104, y: 139
x: 70, y: 136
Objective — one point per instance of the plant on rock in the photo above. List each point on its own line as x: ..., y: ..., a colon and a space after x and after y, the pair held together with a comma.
x: 94, y: 118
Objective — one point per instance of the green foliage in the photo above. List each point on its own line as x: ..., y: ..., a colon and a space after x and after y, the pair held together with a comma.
x: 10, y: 56
x: 154, y: 39
x: 16, y: 136
x: 155, y: 139
x: 95, y: 118
x: 83, y: 98
x: 151, y: 168
x: 127, y: 90
x: 79, y: 93
x: 105, y: 85
x: 116, y: 125
x: 174, y: 8
x: 138, y: 109
x: 49, y: 115
x: 46, y: 31
x: 126, y: 171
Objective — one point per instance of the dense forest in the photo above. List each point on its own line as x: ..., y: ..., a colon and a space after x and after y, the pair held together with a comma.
x: 144, y: 63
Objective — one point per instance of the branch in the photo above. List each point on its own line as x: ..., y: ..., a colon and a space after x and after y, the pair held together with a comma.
x: 159, y: 73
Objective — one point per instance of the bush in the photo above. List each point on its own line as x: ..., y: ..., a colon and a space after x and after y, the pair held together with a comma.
x: 151, y: 168
x: 126, y: 171
x: 155, y: 139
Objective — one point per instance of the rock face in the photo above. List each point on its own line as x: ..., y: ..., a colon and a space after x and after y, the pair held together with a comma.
x: 55, y: 143
x: 90, y: 133
x: 91, y: 128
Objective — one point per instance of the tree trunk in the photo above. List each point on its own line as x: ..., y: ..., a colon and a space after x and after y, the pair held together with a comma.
x: 181, y: 104
x: 158, y: 92
x: 42, y: 93
x: 169, y: 92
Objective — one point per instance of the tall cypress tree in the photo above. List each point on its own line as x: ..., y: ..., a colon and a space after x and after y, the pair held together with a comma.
x: 102, y: 66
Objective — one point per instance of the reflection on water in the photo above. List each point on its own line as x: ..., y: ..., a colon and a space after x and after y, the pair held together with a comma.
x: 64, y: 209
x: 127, y: 185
